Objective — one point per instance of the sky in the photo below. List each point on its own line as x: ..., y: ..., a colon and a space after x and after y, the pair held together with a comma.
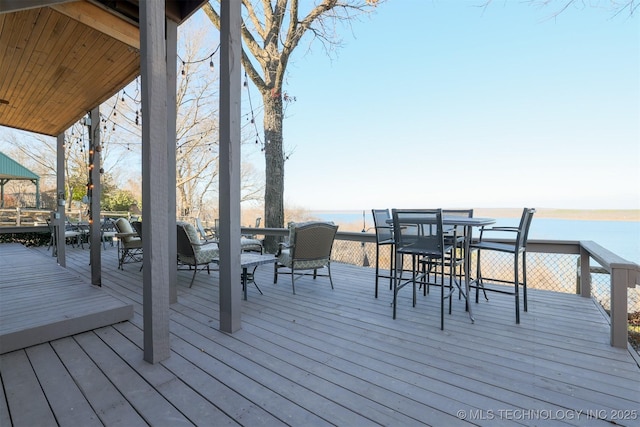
x: 446, y: 104
x: 443, y: 103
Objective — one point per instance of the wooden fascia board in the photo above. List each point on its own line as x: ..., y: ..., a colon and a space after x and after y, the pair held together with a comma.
x: 180, y: 10
x: 101, y: 20
x: 17, y: 5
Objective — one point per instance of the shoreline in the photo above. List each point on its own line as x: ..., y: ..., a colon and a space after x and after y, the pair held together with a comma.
x: 574, y: 214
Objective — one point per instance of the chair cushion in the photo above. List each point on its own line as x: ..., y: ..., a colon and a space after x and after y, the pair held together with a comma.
x: 205, y: 254
x: 124, y: 227
x: 284, y: 258
x: 192, y: 234
x: 254, y: 245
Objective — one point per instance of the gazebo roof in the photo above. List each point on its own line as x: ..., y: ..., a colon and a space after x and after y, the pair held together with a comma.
x: 10, y: 169
x: 60, y: 58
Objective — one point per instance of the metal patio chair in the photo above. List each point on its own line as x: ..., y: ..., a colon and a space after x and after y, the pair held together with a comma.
x: 516, y: 248
x: 419, y: 234
x: 384, y: 237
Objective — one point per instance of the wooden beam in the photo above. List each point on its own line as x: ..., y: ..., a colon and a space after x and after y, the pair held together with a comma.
x: 101, y: 20
x: 17, y: 5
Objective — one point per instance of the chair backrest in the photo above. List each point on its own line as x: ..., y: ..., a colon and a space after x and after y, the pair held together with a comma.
x: 123, y: 226
x: 185, y: 234
x: 466, y: 213
x: 137, y: 226
x: 200, y: 227
x: 107, y: 225
x: 523, y: 228
x: 312, y: 240
x: 418, y: 230
x: 384, y: 230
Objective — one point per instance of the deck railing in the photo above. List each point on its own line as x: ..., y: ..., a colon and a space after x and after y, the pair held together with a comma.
x: 551, y: 264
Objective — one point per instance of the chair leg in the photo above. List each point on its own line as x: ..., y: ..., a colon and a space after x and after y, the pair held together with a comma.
x: 395, y: 288
x: 329, y: 272
x: 275, y: 272
x: 377, y: 267
x: 195, y: 270
x: 441, y: 295
x: 524, y: 278
x: 392, y: 264
x: 413, y: 277
x: 479, y: 280
x: 517, y: 287
x: 293, y: 281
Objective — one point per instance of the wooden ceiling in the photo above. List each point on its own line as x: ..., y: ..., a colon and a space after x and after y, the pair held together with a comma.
x: 60, y: 59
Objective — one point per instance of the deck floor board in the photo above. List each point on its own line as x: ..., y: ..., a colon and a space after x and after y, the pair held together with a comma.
x: 327, y: 357
x: 41, y: 301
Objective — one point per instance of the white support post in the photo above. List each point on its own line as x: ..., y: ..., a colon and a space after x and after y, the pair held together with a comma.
x: 229, y: 199
x: 155, y: 195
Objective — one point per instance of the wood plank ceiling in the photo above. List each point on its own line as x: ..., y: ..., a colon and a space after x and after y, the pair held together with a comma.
x: 59, y: 61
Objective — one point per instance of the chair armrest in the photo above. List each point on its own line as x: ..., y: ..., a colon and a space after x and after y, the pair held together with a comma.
x: 503, y: 229
x: 121, y: 235
x: 489, y: 229
x: 281, y: 246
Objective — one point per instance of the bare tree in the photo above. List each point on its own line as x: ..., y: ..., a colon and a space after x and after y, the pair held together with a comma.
x: 557, y: 7
x: 41, y: 152
x: 271, y: 31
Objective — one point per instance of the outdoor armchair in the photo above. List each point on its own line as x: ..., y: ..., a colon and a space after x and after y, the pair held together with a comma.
x: 210, y: 235
x: 129, y: 243
x: 516, y: 248
x: 419, y: 234
x: 107, y: 231
x: 384, y: 237
x: 309, y: 248
x: 206, y: 233
x: 70, y: 236
x: 192, y: 251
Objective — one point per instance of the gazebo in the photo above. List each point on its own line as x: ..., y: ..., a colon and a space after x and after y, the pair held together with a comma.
x: 60, y: 59
x: 12, y: 170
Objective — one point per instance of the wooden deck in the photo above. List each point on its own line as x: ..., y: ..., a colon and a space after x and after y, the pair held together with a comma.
x: 41, y: 301
x: 326, y: 357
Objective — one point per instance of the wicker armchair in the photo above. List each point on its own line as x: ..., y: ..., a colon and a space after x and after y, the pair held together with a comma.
x: 309, y: 248
x: 194, y: 252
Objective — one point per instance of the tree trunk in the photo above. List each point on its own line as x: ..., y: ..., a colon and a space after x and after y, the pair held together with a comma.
x: 274, y: 162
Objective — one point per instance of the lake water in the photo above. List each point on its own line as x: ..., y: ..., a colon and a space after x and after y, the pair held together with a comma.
x: 620, y: 237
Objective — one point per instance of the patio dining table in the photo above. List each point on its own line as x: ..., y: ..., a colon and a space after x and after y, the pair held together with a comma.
x: 468, y: 223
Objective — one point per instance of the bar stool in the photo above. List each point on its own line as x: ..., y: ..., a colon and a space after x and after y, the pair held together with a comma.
x: 384, y: 237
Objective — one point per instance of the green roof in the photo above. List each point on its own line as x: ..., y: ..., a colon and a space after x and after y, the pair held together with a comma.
x: 10, y: 169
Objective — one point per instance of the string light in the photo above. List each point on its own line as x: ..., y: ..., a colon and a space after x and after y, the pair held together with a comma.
x: 197, y: 61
